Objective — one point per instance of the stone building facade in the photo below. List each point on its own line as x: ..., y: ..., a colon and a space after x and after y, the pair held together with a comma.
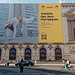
x: 46, y: 51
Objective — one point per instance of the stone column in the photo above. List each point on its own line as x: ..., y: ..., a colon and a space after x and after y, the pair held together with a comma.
x: 5, y: 56
x: 20, y: 52
x: 49, y: 56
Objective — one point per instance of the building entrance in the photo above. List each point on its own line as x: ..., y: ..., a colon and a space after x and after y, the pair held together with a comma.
x: 12, y: 54
x: 27, y: 54
x: 42, y: 54
x: 58, y: 54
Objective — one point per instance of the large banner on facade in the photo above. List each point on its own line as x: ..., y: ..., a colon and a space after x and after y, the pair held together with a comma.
x: 30, y: 23
x: 50, y: 23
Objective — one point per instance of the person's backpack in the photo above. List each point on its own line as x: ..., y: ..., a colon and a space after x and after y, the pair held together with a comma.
x: 21, y: 64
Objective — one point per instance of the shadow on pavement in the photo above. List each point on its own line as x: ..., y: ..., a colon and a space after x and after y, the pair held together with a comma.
x: 56, y: 72
x: 33, y: 71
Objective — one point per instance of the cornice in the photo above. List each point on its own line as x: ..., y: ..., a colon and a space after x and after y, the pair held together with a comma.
x: 67, y: 4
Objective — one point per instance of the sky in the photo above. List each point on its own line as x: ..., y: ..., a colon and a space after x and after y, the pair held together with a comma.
x: 35, y: 1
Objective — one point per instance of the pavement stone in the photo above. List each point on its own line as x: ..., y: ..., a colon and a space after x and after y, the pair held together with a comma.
x: 36, y: 70
x: 66, y: 74
x: 25, y: 74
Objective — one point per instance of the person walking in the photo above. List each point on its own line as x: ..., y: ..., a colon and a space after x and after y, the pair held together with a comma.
x: 21, y: 66
x: 5, y: 63
x: 67, y: 62
x: 63, y: 62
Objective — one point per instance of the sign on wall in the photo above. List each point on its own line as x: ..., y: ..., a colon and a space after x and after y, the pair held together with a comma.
x: 31, y: 23
x: 50, y: 23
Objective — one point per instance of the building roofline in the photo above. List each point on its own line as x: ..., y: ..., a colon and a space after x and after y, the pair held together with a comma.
x: 67, y: 4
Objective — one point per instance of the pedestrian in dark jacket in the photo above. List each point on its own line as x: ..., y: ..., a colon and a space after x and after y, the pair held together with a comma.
x: 21, y: 66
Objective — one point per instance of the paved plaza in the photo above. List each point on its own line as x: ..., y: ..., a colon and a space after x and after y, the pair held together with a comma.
x: 36, y: 70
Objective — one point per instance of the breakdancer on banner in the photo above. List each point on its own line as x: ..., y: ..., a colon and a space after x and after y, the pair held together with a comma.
x: 11, y: 24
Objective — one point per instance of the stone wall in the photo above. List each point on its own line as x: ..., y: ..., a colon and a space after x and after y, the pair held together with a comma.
x: 68, y: 51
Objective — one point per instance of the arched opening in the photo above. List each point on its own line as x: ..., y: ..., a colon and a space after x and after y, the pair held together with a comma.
x: 42, y: 54
x: 58, y: 54
x: 12, y: 54
x: 0, y: 53
x: 27, y: 54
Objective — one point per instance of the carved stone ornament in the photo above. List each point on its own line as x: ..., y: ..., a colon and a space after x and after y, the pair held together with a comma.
x: 72, y: 49
x: 5, y: 47
x: 27, y: 46
x: 50, y: 47
x: 12, y: 46
x: 20, y: 47
x: 42, y: 46
x: 35, y: 46
x: 57, y: 46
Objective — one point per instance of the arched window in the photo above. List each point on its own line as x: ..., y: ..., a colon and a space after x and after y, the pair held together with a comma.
x: 42, y: 54
x: 12, y: 54
x: 74, y: 29
x: 27, y: 54
x: 58, y: 54
x: 0, y: 53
